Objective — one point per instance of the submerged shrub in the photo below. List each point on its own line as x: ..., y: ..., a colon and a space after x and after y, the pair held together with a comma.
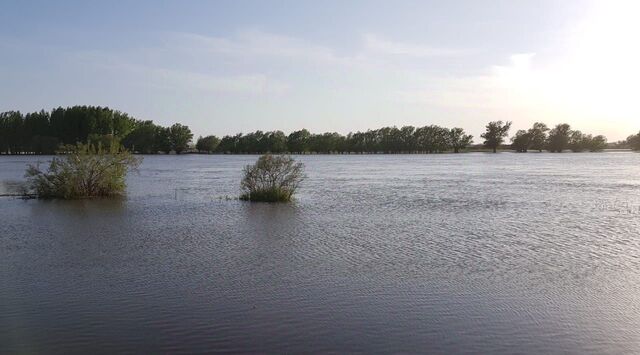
x: 84, y: 171
x: 273, y: 178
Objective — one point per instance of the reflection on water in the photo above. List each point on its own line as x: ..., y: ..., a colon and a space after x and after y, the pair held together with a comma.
x: 445, y: 253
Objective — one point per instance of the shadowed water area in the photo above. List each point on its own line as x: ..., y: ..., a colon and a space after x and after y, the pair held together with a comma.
x: 482, y: 253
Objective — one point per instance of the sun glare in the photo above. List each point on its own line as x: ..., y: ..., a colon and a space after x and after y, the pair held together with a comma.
x: 595, y: 80
x: 602, y: 72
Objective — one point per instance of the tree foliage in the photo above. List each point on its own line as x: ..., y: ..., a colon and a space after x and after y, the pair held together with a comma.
x: 577, y: 141
x: 521, y: 141
x: 208, y: 144
x: 407, y: 139
x: 538, y: 136
x: 458, y: 140
x: 179, y: 137
x: 43, y: 132
x: 597, y: 143
x: 495, y: 134
x: 559, y: 138
x: 273, y: 178
x: 298, y: 141
x: 634, y: 141
x: 86, y: 170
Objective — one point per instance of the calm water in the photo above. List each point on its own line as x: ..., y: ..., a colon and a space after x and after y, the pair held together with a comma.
x: 473, y: 253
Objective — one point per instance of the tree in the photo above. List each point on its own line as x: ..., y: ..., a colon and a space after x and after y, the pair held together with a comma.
x: 521, y: 141
x: 273, y: 178
x: 634, y: 141
x: 578, y: 141
x: 597, y: 143
x: 229, y: 144
x: 298, y: 141
x: 495, y: 134
x: 208, y: 144
x: 179, y: 137
x: 538, y: 136
x: 432, y: 139
x: 143, y: 138
x: 122, y: 124
x: 102, y: 140
x: 326, y: 142
x: 458, y: 140
x: 559, y: 137
x: 12, y: 124
x: 41, y: 132
x: 275, y: 142
x: 35, y: 134
x: 162, y: 140
x: 406, y: 139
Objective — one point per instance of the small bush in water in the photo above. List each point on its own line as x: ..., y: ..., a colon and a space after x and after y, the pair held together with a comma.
x: 84, y: 171
x: 273, y: 178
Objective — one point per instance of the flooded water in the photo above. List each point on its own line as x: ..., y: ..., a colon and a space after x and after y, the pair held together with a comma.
x: 469, y: 253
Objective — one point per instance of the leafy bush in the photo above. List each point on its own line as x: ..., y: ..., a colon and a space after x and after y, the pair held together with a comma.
x: 84, y: 171
x: 273, y: 178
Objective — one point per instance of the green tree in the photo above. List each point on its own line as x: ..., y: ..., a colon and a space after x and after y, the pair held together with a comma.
x: 577, y: 141
x: 102, y: 140
x: 208, y: 144
x: 162, y: 140
x: 432, y: 139
x: 180, y: 136
x: 298, y: 141
x: 538, y: 136
x: 142, y: 138
x: 12, y: 132
x: 597, y: 143
x: 559, y: 137
x: 458, y: 140
x: 495, y: 134
x: 406, y: 139
x: 326, y: 142
x: 634, y: 142
x: 229, y: 144
x: 122, y: 125
x: 275, y: 142
x: 521, y: 141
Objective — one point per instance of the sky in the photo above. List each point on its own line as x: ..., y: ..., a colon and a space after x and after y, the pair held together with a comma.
x: 224, y: 67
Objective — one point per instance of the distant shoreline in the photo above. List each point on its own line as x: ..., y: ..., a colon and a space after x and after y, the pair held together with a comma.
x: 612, y: 150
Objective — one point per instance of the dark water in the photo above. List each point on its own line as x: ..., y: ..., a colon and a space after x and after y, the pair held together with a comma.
x: 473, y: 253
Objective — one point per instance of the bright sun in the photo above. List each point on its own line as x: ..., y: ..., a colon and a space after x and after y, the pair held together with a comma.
x: 603, y: 71
x: 595, y: 81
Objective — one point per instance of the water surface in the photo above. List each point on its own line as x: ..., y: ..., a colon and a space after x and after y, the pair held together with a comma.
x: 475, y: 253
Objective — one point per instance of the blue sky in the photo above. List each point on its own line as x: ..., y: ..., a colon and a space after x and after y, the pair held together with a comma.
x: 224, y: 67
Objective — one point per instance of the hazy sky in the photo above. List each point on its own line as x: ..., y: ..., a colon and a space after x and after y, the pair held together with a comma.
x: 224, y: 67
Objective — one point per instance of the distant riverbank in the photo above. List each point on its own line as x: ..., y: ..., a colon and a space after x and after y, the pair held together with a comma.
x: 45, y: 132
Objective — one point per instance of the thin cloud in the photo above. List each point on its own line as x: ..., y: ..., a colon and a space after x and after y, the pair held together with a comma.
x: 376, y: 44
x: 166, y: 78
x: 253, y: 44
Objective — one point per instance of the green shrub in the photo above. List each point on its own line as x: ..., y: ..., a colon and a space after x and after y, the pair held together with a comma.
x: 271, y: 179
x: 84, y: 171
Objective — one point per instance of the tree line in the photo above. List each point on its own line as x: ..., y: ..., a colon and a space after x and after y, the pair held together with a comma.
x: 44, y: 132
x: 407, y: 139
x: 558, y: 139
